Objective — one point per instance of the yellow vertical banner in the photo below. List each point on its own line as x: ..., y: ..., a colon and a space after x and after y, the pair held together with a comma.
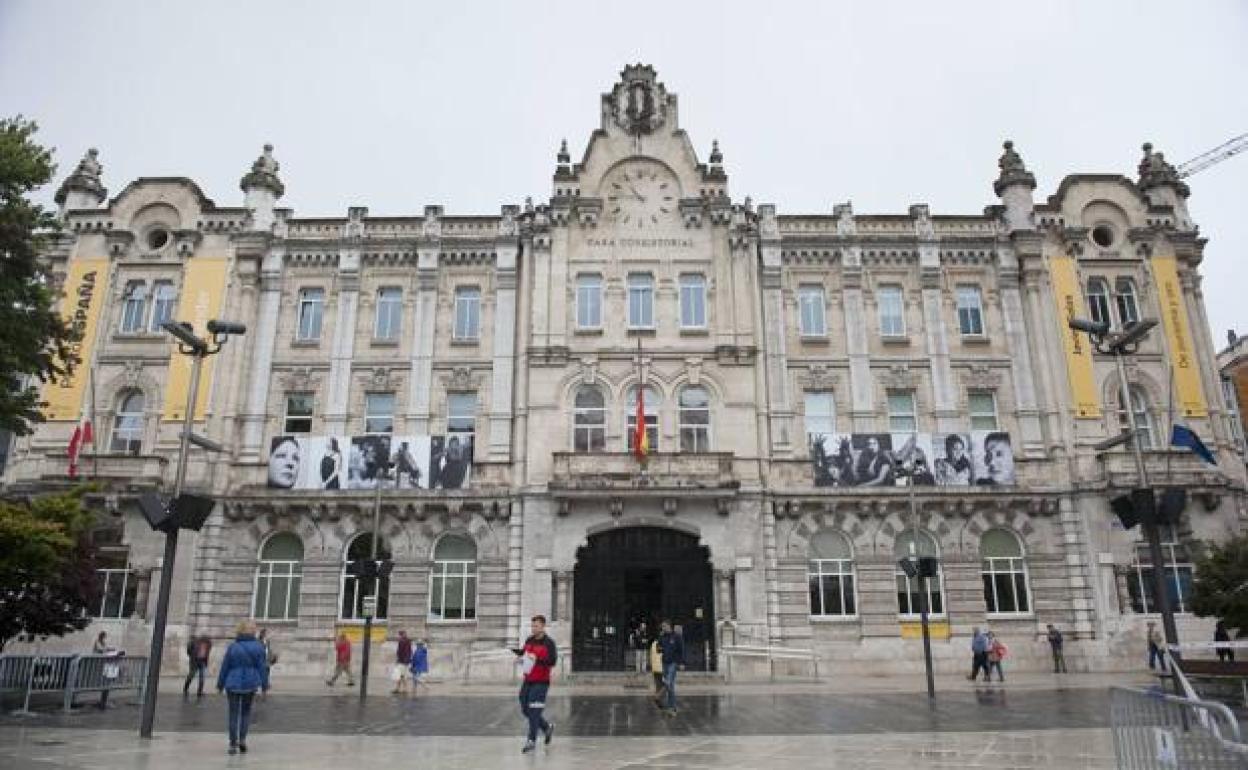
x: 1189, y: 396
x: 203, y: 291
x: 1069, y: 296
x: 86, y: 290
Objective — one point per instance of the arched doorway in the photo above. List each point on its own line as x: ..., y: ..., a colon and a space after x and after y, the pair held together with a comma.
x: 627, y: 575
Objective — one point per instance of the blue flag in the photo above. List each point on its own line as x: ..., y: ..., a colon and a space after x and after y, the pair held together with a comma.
x: 1183, y: 436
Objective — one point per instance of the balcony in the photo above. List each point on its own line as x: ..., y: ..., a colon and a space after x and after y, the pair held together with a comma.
x: 579, y: 474
x: 1117, y: 469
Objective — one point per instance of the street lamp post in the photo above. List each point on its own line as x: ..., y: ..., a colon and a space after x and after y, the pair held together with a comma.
x: 373, y: 575
x: 1119, y: 345
x: 921, y: 569
x: 199, y: 349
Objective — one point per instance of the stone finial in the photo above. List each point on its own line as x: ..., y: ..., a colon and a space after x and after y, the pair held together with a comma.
x: 264, y: 174
x: 85, y: 179
x: 717, y: 157
x: 564, y: 156
x: 1231, y: 337
x: 1013, y: 170
x: 1155, y: 172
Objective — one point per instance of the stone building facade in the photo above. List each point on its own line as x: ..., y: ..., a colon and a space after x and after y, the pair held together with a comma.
x: 792, y: 365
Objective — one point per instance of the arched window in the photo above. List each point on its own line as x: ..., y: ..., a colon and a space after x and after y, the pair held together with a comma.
x: 695, y: 419
x: 1141, y: 417
x: 908, y: 598
x: 1098, y: 300
x: 453, y: 586
x: 589, y: 420
x: 1178, y: 579
x: 354, y: 589
x: 651, y: 403
x: 831, y: 576
x: 128, y: 424
x: 1004, y: 572
x: 1128, y: 309
x: 278, y: 577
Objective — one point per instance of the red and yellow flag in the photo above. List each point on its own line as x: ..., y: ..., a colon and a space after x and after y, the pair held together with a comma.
x: 641, y: 440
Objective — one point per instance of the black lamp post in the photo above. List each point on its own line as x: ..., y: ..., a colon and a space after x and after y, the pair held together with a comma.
x: 920, y: 567
x: 372, y: 572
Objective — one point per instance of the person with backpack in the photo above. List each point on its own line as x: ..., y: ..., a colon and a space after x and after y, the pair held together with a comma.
x: 244, y: 671
x: 198, y: 649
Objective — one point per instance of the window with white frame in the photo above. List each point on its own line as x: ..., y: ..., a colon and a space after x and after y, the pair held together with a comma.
x: 892, y: 311
x: 901, y: 414
x: 695, y: 419
x: 982, y: 406
x: 467, y: 313
x: 134, y: 307
x: 355, y: 588
x: 1124, y: 294
x: 589, y: 420
x: 1233, y: 414
x: 1004, y: 572
x: 298, y: 413
x: 640, y: 301
x: 908, y: 588
x: 461, y: 413
x: 970, y: 311
x: 311, y: 314
x: 820, y: 414
x: 1178, y: 576
x: 1098, y: 300
x: 1141, y: 417
x: 830, y: 574
x: 389, y: 322
x: 453, y: 582
x: 589, y: 301
x: 278, y: 578
x: 127, y: 434
x: 164, y: 298
x: 810, y: 309
x: 118, y: 588
x: 650, y: 406
x: 693, y: 301
x: 378, y: 412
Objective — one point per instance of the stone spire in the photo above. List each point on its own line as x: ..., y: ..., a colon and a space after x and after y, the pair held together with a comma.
x: 262, y: 188
x: 1013, y: 171
x: 717, y: 157
x: 83, y: 189
x: 1155, y: 172
x: 1013, y: 186
x: 564, y: 160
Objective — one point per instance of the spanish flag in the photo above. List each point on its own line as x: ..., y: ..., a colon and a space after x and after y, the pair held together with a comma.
x: 641, y: 440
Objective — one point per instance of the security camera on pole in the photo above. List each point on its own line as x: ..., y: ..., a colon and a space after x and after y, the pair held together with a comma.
x: 372, y: 572
x: 184, y: 511
x: 921, y: 567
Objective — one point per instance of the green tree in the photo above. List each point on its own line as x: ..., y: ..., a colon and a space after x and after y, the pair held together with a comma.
x: 47, y: 572
x: 1220, y: 589
x: 35, y: 341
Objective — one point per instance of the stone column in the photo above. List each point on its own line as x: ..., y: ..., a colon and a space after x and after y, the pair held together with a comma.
x: 1016, y: 336
x: 421, y: 386
x: 342, y: 349
x: 775, y: 333
x: 262, y: 341
x: 505, y: 322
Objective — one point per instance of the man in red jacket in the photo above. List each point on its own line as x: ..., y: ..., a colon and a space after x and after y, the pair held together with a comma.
x: 342, y: 661
x: 536, y: 659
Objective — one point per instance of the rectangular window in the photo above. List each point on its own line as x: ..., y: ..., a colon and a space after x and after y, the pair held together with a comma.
x: 901, y: 417
x: 1177, y: 582
x: 983, y: 409
x: 467, y: 313
x: 810, y: 307
x: 163, y: 299
x: 820, y: 414
x: 118, y: 588
x: 379, y: 413
x: 589, y: 302
x: 892, y: 311
x: 970, y: 311
x: 311, y: 311
x: 453, y: 590
x: 298, y: 413
x: 389, y: 313
x: 831, y: 584
x: 1231, y: 397
x: 1128, y: 310
x: 461, y: 413
x: 134, y: 307
x: 640, y: 301
x: 692, y: 302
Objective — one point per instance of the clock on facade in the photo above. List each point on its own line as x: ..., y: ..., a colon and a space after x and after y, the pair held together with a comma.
x: 640, y: 194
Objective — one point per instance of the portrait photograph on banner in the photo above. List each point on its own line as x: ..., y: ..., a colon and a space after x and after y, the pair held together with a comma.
x: 873, y: 460
x: 409, y: 462
x: 916, y: 449
x: 327, y: 463
x: 287, y: 456
x: 364, y: 463
x: 951, y: 460
x: 450, y: 461
x: 993, y: 458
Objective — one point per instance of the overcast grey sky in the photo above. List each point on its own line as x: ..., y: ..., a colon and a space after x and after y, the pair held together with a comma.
x: 394, y: 105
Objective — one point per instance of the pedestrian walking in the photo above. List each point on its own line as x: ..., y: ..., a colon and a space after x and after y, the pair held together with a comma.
x: 656, y: 671
x: 1155, y: 644
x: 979, y: 654
x: 996, y: 653
x: 536, y: 658
x: 1226, y: 653
x: 109, y: 669
x: 638, y: 644
x: 342, y: 661
x: 1055, y: 646
x: 244, y: 671
x: 198, y: 650
x: 270, y: 650
x: 672, y: 646
x: 420, y: 663
x: 401, y: 672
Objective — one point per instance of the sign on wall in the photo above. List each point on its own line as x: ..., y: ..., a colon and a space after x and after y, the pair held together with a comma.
x: 1189, y: 396
x: 86, y: 289
x: 203, y: 290
x: 354, y: 462
x: 979, y: 458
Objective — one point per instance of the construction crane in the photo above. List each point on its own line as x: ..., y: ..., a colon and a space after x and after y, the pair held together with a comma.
x: 1214, y: 156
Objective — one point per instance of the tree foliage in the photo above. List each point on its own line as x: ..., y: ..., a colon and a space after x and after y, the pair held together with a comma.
x: 35, y: 341
x: 1220, y: 589
x: 47, y: 573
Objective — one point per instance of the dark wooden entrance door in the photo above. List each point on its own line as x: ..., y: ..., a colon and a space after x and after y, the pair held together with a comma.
x: 636, y: 574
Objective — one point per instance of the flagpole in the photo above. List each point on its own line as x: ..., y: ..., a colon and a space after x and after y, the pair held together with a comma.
x: 95, y: 453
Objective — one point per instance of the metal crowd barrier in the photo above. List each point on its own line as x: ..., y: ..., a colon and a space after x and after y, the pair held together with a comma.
x: 1155, y: 731
x: 69, y: 675
x: 772, y: 653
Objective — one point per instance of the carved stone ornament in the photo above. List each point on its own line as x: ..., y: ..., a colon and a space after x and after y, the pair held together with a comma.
x: 382, y: 378
x: 460, y: 378
x: 132, y: 374
x: 589, y: 370
x: 817, y: 377
x: 899, y: 377
x: 1156, y: 171
x: 768, y: 227
x: 86, y: 178
x: 300, y: 378
x: 1013, y: 170
x: 981, y: 377
x: 639, y: 101
x: 263, y: 174
x: 507, y: 225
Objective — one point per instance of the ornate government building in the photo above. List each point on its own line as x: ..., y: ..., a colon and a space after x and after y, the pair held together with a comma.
x: 791, y: 365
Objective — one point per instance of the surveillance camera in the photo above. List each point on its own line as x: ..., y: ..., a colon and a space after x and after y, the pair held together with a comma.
x: 1096, y: 328
x: 184, y: 333
x: 1135, y: 332
x: 225, y: 327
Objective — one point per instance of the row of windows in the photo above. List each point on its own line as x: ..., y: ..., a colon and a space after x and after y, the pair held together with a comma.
x: 589, y: 418
x: 890, y: 311
x: 589, y: 288
x: 388, y: 319
x: 145, y: 308
x: 820, y: 412
x: 461, y: 411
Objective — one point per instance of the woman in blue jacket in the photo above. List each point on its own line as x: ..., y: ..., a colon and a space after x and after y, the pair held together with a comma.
x: 244, y: 670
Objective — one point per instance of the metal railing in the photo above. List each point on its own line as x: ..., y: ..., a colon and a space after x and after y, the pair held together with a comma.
x: 69, y: 675
x: 1189, y: 651
x: 1155, y: 730
x: 772, y: 653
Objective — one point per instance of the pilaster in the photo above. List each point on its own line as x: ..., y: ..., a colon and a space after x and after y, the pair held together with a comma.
x: 262, y: 344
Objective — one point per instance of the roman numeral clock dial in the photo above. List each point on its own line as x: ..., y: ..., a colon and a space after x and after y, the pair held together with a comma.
x: 640, y: 195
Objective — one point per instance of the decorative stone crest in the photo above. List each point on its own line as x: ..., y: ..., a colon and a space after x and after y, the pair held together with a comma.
x: 899, y: 377
x: 460, y: 378
x: 639, y: 101
x: 981, y: 377
x: 507, y: 225
x: 1013, y: 171
x: 86, y: 178
x: 817, y: 377
x: 300, y: 379
x: 264, y: 174
x: 768, y: 227
x: 382, y: 378
x: 1155, y: 172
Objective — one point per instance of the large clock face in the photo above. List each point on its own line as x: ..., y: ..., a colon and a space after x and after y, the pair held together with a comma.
x: 640, y: 195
